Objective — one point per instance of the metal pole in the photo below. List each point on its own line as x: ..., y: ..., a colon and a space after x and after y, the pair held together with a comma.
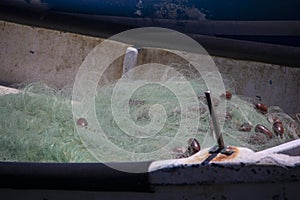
x: 215, y: 121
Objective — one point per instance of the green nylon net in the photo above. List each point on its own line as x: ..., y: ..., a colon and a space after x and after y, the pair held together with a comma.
x: 37, y: 124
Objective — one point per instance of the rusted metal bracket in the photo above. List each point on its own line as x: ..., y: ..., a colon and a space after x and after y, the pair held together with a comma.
x: 217, y: 149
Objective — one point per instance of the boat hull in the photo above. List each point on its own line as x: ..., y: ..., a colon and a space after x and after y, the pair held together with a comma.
x: 270, y: 21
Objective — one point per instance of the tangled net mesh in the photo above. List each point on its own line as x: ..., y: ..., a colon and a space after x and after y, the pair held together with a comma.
x: 37, y: 124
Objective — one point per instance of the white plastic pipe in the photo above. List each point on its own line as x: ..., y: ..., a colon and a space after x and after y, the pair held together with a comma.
x: 130, y: 61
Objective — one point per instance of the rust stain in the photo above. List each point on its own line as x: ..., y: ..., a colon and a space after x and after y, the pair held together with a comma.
x: 219, y: 158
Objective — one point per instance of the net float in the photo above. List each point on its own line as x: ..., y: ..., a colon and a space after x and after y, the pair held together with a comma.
x: 262, y: 129
x: 194, y: 146
x: 278, y: 128
x: 246, y: 127
x: 82, y: 122
x: 227, y: 95
x: 261, y: 107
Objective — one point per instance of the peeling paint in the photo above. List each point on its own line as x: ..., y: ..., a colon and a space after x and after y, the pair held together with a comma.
x: 139, y: 8
x: 179, y: 9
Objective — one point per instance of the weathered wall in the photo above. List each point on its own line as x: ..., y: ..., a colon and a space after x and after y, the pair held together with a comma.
x: 29, y: 53
x: 36, y: 54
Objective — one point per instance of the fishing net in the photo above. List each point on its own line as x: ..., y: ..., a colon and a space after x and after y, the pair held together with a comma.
x: 37, y: 124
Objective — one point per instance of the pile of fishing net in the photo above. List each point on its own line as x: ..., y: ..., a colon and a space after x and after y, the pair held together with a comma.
x: 37, y: 124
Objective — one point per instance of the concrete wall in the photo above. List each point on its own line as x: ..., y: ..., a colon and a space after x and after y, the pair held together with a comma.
x: 32, y: 54
x: 36, y: 54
